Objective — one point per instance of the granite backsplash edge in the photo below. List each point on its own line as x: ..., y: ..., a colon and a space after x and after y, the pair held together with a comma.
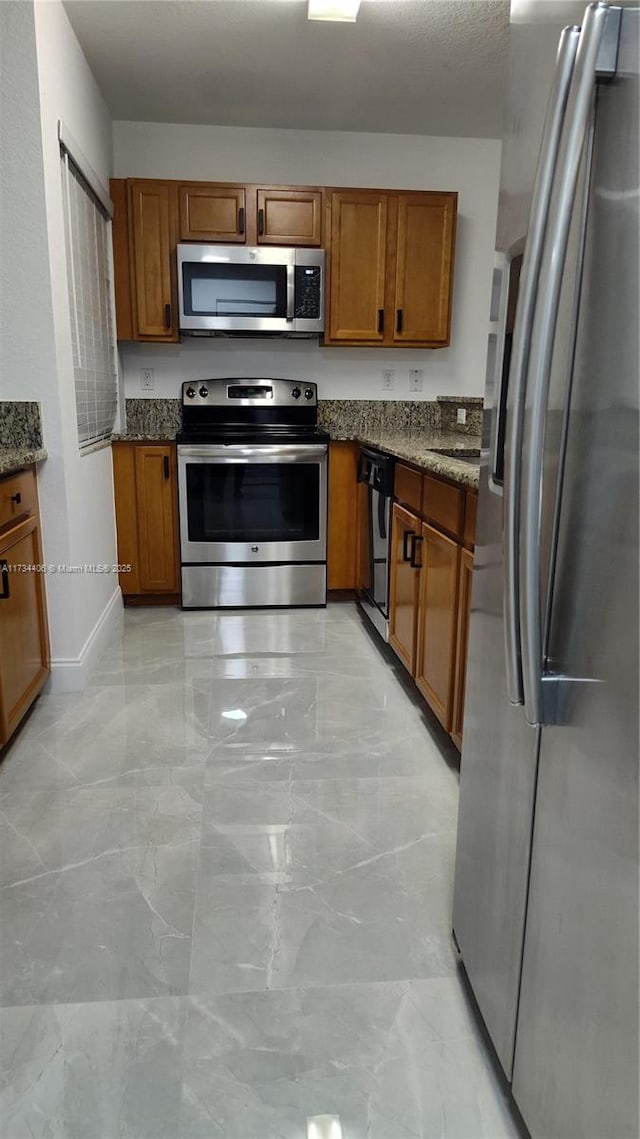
x: 20, y: 425
x: 342, y: 418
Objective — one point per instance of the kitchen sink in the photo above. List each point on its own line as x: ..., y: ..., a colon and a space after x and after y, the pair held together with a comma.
x: 472, y: 457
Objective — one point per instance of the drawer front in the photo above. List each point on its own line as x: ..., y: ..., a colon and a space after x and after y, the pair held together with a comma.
x: 443, y: 505
x: 408, y: 486
x: 470, y: 512
x: 18, y: 497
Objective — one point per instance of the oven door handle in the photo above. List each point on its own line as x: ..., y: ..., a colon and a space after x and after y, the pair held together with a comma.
x: 263, y: 453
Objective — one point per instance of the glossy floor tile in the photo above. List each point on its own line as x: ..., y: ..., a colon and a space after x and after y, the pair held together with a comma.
x: 225, y: 885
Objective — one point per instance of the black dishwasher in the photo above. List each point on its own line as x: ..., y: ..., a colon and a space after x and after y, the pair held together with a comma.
x: 375, y: 473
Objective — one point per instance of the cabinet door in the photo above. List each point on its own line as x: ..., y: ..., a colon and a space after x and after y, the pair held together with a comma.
x: 462, y: 644
x: 155, y: 477
x: 121, y: 259
x: 405, y: 585
x: 152, y: 238
x: 357, y: 267
x: 437, y: 623
x: 289, y: 217
x: 24, y: 640
x: 212, y: 213
x: 124, y: 481
x: 424, y: 268
x: 343, y: 516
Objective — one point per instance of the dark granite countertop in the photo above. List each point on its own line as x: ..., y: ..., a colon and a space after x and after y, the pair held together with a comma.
x: 168, y: 436
x: 16, y: 458
x: 423, y: 448
x: 418, y: 432
x: 429, y: 452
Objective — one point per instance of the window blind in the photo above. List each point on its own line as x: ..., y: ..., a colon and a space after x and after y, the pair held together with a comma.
x: 87, y: 234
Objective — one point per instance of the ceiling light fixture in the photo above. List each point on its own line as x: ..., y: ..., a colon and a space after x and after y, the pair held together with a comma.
x: 340, y: 11
x: 324, y: 1127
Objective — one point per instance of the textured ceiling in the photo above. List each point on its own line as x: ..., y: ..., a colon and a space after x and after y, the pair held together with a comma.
x: 406, y: 66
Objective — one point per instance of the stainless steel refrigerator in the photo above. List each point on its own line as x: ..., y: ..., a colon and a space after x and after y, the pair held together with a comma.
x: 546, y: 887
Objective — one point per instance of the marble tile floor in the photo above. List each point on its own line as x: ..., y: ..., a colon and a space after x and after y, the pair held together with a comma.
x: 225, y: 895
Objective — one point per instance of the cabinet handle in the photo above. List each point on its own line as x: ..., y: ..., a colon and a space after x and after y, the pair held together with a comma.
x: 380, y: 320
x: 17, y: 498
x: 4, y: 572
x: 241, y: 219
x: 399, y: 320
x: 165, y: 463
x: 408, y: 534
x: 417, y: 540
x: 261, y: 222
x: 167, y: 316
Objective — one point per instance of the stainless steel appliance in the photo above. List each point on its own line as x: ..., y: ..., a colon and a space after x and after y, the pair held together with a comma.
x: 250, y: 291
x: 546, y: 885
x: 252, y: 491
x: 375, y: 473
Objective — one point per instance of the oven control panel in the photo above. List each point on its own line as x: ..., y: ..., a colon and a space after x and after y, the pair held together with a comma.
x: 243, y: 392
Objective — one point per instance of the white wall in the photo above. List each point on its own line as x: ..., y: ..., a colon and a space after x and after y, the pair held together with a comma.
x: 68, y: 92
x: 470, y: 166
x: 53, y: 81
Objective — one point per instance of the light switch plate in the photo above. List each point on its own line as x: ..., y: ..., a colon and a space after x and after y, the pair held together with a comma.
x: 388, y: 379
x: 462, y: 415
x: 146, y: 379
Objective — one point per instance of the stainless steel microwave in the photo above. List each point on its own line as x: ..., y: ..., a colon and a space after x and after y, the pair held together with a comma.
x: 250, y: 290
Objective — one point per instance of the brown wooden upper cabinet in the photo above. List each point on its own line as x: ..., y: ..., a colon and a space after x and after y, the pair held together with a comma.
x: 212, y: 212
x: 252, y: 215
x: 289, y: 217
x: 424, y: 268
x: 390, y: 253
x: 391, y: 268
x: 358, y: 251
x: 153, y: 294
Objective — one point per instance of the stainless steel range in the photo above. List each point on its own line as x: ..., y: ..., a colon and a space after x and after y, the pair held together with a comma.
x: 252, y: 489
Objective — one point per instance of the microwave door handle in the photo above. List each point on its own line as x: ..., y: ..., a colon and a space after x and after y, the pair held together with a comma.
x: 559, y: 223
x: 291, y: 293
x: 525, y: 312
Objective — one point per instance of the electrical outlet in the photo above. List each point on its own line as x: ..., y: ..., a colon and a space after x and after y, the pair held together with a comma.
x: 462, y: 415
x: 146, y: 379
x: 416, y: 376
x: 388, y: 379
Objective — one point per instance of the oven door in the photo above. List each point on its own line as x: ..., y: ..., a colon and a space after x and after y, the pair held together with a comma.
x: 252, y: 504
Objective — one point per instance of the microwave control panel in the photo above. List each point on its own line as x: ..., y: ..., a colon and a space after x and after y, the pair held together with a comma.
x: 308, y: 286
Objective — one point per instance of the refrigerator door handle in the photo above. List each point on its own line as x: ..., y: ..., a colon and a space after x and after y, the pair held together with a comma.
x: 497, y: 322
x: 525, y: 312
x: 537, y: 694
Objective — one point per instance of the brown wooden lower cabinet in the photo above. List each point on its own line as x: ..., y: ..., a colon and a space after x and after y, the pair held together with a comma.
x: 342, y: 536
x: 437, y: 623
x: 147, y: 518
x: 405, y: 585
x: 431, y: 574
x: 24, y: 636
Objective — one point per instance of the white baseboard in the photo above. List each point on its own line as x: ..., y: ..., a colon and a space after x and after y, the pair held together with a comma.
x: 71, y: 674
